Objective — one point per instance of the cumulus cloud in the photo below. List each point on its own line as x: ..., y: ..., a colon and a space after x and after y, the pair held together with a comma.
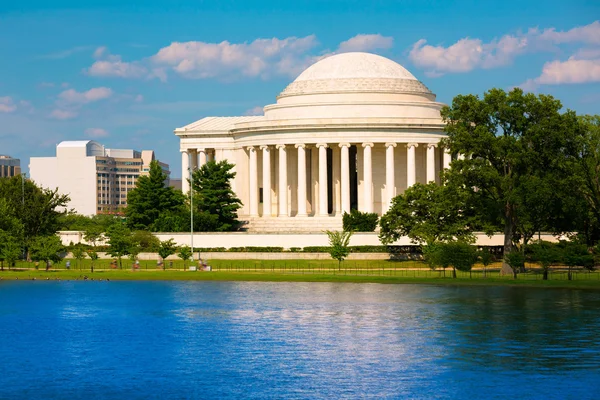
x: 570, y: 71
x: 363, y: 42
x: 7, y: 105
x: 468, y: 54
x: 117, y: 68
x: 96, y: 133
x: 62, y: 114
x: 260, y: 58
x: 71, y: 96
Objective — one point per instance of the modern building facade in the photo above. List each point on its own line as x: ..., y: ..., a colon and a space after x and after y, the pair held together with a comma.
x: 96, y: 179
x: 351, y: 132
x: 9, y: 166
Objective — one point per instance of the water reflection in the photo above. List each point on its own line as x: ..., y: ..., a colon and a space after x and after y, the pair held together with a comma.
x: 296, y: 340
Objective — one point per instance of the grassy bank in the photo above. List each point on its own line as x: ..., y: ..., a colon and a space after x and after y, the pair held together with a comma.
x: 558, y: 279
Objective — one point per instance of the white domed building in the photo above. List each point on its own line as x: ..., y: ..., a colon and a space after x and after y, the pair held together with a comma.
x: 351, y: 132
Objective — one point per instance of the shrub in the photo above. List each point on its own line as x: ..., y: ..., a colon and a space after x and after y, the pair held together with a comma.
x: 358, y: 221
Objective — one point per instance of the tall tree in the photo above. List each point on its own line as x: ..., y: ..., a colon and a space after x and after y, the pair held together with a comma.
x: 508, y: 140
x: 150, y: 199
x: 215, y: 204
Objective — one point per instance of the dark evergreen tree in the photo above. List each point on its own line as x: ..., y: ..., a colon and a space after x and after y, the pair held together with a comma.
x: 215, y: 204
x: 151, y: 199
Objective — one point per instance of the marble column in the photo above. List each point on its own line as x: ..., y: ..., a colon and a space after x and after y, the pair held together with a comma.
x: 411, y: 164
x: 447, y: 158
x: 345, y: 176
x: 282, y: 190
x: 323, y: 208
x: 390, y: 177
x: 185, y: 172
x: 301, y: 180
x: 266, y: 180
x: 431, y: 162
x: 368, y: 177
x: 253, y: 196
x: 193, y: 159
x: 201, y: 157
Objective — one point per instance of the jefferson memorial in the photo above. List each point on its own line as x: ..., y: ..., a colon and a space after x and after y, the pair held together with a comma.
x: 351, y: 132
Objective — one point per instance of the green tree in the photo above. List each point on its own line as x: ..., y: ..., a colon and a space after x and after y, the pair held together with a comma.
x: 93, y: 234
x: 94, y: 257
x: 486, y: 257
x: 338, y: 242
x: 36, y: 209
x: 575, y: 255
x: 166, y: 248
x: 185, y: 252
x: 10, y: 249
x: 587, y: 180
x: 428, y: 214
x: 545, y: 254
x: 516, y: 261
x: 460, y: 255
x: 79, y: 254
x: 511, y: 142
x: 215, y: 204
x: 120, y: 241
x: 146, y: 240
x: 47, y: 249
x: 150, y: 199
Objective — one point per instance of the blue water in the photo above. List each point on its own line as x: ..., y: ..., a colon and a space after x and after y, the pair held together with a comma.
x: 217, y: 340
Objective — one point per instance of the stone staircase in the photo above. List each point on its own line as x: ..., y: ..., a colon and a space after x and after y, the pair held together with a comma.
x: 292, y: 224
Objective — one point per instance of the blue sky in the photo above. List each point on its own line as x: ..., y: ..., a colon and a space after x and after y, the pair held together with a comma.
x: 128, y: 73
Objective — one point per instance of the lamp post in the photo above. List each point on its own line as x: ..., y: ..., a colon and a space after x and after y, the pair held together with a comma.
x: 23, y: 176
x: 191, y: 204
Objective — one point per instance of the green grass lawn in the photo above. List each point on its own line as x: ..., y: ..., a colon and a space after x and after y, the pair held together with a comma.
x: 303, y: 271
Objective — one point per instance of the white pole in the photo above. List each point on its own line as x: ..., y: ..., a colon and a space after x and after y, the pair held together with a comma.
x: 191, y: 206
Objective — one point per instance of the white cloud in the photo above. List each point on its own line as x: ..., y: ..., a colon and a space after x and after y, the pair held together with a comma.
x: 258, y: 110
x: 7, y: 105
x: 365, y: 42
x: 585, y: 34
x: 96, y: 133
x: 468, y: 54
x: 71, y: 96
x: 117, y: 68
x: 62, y: 114
x: 261, y: 57
x: 565, y: 72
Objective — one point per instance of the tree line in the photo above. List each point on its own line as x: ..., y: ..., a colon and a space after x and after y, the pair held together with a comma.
x: 521, y: 165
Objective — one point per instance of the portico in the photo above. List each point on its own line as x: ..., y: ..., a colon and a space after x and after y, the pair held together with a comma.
x: 351, y: 132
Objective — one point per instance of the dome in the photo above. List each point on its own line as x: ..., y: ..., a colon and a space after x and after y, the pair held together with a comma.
x: 355, y: 72
x: 355, y: 65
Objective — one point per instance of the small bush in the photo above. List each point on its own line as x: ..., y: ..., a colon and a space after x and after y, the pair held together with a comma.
x: 358, y: 221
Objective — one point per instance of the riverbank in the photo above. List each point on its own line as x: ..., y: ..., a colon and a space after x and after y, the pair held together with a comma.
x: 581, y: 281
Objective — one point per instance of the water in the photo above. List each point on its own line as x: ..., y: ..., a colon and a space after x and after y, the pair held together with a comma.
x: 218, y: 340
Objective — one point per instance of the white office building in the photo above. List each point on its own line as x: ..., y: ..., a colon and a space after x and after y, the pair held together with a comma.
x: 95, y: 178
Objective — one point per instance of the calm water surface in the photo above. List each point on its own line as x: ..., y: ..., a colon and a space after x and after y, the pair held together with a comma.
x: 222, y: 340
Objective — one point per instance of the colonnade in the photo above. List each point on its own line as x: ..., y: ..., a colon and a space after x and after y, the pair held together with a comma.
x: 300, y: 148
x: 194, y: 158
